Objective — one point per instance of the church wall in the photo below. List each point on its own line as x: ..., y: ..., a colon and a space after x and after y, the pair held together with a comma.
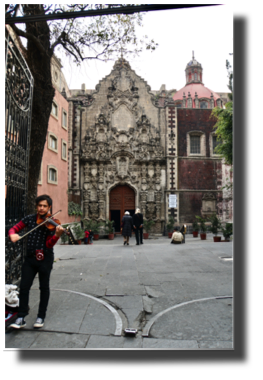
x: 119, y: 138
x: 120, y: 134
x: 190, y: 205
x: 199, y: 175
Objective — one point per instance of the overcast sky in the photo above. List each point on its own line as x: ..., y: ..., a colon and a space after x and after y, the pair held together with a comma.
x: 208, y: 31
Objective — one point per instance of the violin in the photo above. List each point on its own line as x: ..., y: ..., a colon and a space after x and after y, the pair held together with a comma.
x: 51, y: 223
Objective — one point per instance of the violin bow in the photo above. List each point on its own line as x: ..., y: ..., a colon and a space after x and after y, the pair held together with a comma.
x: 21, y: 237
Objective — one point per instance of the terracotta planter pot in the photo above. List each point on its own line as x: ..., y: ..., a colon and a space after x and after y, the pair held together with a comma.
x: 195, y: 233
x: 170, y: 235
x: 203, y: 236
x: 96, y: 237
x: 217, y: 239
x: 111, y: 236
x: 145, y: 235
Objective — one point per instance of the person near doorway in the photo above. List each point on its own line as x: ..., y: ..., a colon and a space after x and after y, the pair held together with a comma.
x: 177, y: 237
x: 137, y: 220
x: 39, y: 259
x: 126, y: 227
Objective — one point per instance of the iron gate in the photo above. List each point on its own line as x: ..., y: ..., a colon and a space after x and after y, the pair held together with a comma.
x: 18, y: 108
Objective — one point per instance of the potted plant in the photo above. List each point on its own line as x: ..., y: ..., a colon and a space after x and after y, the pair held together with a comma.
x: 147, y: 225
x: 202, y: 226
x: 79, y: 233
x: 109, y: 229
x: 95, y: 227
x: 170, y: 226
x: 215, y: 226
x: 227, y: 231
x: 195, y: 228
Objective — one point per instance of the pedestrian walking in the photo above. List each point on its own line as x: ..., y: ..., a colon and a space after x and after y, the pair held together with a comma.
x: 39, y: 259
x: 86, y: 239
x: 126, y: 227
x: 177, y: 236
x: 137, y: 221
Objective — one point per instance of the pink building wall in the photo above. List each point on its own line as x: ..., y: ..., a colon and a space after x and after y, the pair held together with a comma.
x: 57, y: 191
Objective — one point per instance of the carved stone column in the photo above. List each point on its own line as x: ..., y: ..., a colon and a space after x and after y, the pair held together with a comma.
x: 143, y: 199
x: 158, y: 197
x: 101, y: 197
x: 150, y: 210
x: 86, y: 196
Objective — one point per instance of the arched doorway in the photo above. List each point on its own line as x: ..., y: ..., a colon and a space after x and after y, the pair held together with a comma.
x: 122, y: 198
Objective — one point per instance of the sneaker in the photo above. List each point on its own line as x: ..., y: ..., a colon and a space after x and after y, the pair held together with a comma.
x: 39, y: 323
x: 19, y: 323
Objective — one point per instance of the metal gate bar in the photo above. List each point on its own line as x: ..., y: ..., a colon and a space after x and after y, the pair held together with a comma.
x: 18, y: 109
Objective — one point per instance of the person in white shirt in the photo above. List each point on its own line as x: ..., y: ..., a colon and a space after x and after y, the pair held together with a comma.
x: 177, y: 237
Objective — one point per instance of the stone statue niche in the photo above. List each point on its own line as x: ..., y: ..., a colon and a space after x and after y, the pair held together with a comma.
x: 122, y: 119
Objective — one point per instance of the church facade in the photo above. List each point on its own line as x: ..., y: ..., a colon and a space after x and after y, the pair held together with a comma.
x: 129, y: 147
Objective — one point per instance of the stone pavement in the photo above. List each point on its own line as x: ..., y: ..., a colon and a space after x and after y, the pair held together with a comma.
x: 178, y: 297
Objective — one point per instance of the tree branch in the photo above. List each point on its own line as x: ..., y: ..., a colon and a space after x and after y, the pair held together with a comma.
x: 29, y: 36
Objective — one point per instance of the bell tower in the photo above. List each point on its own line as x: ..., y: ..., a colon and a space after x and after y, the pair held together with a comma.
x: 194, y: 72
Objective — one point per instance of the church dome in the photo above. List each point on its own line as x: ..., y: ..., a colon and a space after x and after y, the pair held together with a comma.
x: 194, y: 94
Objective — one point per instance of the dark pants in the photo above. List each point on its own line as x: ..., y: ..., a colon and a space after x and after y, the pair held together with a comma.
x: 30, y: 268
x: 138, y: 235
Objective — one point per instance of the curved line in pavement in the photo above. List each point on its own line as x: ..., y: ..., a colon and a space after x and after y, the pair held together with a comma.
x: 118, y: 320
x: 148, y: 325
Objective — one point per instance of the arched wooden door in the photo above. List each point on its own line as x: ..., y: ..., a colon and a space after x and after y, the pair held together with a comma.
x: 122, y: 198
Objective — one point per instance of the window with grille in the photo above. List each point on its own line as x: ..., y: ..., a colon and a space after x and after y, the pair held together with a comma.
x: 195, y: 145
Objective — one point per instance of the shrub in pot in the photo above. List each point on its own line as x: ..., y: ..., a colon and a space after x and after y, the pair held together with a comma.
x: 202, y: 226
x: 227, y: 231
x: 215, y: 226
x: 147, y: 225
x: 94, y: 226
x: 195, y: 228
x: 79, y: 233
x: 109, y: 229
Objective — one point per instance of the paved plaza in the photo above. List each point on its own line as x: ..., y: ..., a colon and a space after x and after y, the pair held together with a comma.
x: 177, y: 297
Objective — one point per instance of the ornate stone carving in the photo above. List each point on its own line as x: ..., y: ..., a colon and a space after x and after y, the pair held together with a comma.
x: 94, y: 209
x: 121, y: 144
x: 208, y: 204
x: 150, y: 213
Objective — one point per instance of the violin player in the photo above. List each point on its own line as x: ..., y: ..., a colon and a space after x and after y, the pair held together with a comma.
x: 39, y: 259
